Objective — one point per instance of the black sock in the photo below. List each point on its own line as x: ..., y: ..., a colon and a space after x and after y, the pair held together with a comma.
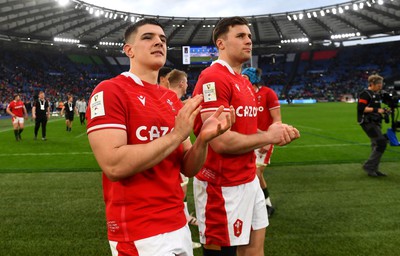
x: 266, y: 193
x: 16, y: 134
x: 225, y: 251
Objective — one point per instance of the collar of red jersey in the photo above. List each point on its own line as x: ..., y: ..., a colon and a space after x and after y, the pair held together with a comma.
x: 225, y: 64
x: 134, y: 77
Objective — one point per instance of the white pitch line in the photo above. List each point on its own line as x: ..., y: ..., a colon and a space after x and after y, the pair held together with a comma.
x: 307, y: 127
x: 80, y: 135
x: 29, y: 125
x: 322, y: 145
x: 48, y: 154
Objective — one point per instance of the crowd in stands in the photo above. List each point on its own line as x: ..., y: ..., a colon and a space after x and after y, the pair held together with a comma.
x: 325, y: 75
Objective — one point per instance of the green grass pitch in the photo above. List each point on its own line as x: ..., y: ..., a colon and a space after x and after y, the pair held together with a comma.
x: 51, y: 196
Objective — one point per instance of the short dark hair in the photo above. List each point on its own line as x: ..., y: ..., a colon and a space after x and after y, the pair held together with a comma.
x: 132, y: 29
x: 223, y: 26
x: 163, y: 72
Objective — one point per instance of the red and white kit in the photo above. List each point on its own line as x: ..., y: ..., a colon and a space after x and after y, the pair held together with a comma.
x: 225, y: 176
x: 17, y: 108
x: 266, y: 101
x: 148, y: 203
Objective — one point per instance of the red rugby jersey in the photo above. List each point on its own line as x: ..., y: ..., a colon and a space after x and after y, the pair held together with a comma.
x: 17, y: 108
x: 150, y: 202
x: 266, y: 101
x: 220, y: 85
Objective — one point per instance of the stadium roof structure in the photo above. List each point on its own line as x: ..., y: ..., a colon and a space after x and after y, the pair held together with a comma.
x: 91, y: 26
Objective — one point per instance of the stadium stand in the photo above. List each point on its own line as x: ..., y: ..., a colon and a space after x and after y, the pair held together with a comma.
x: 325, y: 75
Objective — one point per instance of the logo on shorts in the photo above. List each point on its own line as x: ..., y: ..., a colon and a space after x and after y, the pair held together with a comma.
x: 237, y: 227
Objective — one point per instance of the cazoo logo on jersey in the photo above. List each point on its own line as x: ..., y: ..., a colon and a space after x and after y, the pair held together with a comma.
x: 144, y: 133
x: 246, y: 111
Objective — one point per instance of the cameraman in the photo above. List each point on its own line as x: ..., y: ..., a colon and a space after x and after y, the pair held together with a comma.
x: 369, y: 115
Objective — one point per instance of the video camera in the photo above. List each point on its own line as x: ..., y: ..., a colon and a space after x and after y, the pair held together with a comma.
x: 390, y: 97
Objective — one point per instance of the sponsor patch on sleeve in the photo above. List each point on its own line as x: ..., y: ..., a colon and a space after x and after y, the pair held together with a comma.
x: 97, y: 105
x: 209, y: 92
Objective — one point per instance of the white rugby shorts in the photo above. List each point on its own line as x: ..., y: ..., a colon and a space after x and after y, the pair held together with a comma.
x: 226, y: 215
x: 17, y: 119
x: 178, y: 242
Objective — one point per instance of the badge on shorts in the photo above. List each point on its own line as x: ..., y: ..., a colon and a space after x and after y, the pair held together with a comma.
x: 209, y: 92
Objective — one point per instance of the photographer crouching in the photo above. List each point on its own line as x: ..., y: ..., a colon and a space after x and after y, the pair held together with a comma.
x: 369, y: 115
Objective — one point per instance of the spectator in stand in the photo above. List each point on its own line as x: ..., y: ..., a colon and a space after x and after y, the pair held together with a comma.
x: 16, y: 109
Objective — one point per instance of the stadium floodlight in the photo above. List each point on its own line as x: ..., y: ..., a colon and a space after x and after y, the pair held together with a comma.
x: 361, y: 5
x: 294, y: 16
x: 322, y: 12
x: 66, y: 40
x: 334, y: 10
x: 301, y: 15
x: 63, y: 2
x: 132, y: 18
x: 341, y: 10
x: 369, y: 4
x: 347, y: 7
x: 288, y: 17
x: 309, y: 15
x: 346, y: 35
x: 355, y: 7
x: 315, y: 14
x: 295, y: 40
x: 380, y: 2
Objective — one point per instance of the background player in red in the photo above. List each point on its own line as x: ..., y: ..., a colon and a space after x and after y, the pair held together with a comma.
x: 139, y: 134
x: 230, y: 205
x: 16, y: 109
x: 162, y: 76
x: 177, y: 81
x: 269, y: 111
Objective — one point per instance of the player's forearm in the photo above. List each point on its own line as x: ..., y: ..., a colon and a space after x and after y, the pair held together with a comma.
x: 126, y: 160
x: 235, y: 143
x: 194, y: 158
